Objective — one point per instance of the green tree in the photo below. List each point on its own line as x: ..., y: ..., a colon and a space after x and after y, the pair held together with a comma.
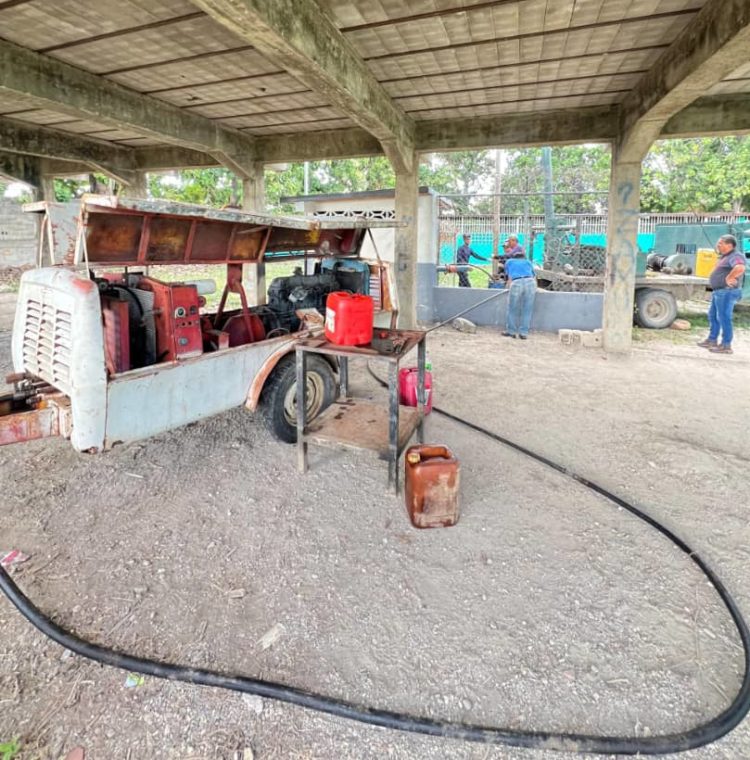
x: 701, y: 174
x: 580, y: 169
x: 208, y: 187
x: 461, y: 172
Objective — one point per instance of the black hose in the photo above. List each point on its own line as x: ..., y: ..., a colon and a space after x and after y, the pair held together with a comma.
x: 496, y: 294
x: 581, y: 743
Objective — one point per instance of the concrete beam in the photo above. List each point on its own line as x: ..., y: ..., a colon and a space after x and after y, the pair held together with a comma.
x: 317, y: 146
x: 164, y: 158
x: 64, y: 88
x: 710, y: 117
x: 116, y: 161
x: 58, y: 168
x: 300, y: 37
x: 593, y: 124
x: 20, y: 168
x: 711, y: 47
x: 18, y: 137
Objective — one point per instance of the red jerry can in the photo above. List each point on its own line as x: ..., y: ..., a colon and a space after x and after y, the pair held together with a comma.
x: 431, y: 486
x: 407, y: 388
x: 349, y: 318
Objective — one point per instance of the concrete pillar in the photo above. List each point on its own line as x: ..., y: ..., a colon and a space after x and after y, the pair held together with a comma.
x: 405, y: 244
x: 254, y: 199
x: 138, y: 188
x: 254, y: 189
x: 428, y: 236
x: 622, y: 251
x: 47, y: 190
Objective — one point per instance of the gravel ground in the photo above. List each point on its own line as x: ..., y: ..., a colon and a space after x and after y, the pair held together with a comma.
x: 545, y: 609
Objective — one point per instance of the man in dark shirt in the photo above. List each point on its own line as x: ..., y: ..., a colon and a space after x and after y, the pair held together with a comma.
x: 726, y: 283
x: 512, y: 248
x: 463, y: 255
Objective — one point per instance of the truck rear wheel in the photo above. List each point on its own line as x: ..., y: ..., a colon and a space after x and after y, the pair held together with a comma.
x: 278, y: 401
x: 655, y: 309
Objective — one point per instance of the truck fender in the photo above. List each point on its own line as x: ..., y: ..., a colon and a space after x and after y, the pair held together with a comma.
x: 259, y: 381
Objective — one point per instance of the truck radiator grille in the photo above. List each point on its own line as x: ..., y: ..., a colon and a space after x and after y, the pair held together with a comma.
x: 47, y: 343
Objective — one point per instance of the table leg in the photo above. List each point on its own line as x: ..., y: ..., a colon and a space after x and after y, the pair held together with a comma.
x: 301, y: 409
x: 343, y: 377
x: 393, y: 425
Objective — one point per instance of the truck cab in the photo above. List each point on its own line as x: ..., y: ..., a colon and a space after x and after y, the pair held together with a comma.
x: 117, y: 340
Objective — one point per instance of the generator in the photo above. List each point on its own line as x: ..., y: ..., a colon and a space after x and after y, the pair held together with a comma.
x: 176, y: 312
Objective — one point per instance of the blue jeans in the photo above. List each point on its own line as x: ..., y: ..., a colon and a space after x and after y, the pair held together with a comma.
x: 720, y: 314
x: 520, y: 305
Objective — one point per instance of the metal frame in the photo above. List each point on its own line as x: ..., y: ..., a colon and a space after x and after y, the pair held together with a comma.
x: 398, y: 435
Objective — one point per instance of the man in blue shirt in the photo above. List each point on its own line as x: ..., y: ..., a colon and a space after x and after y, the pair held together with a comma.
x: 463, y: 255
x: 522, y: 283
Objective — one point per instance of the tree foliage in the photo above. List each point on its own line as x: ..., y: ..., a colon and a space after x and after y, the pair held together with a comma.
x: 702, y: 174
x: 710, y: 174
x: 580, y: 169
x: 208, y: 187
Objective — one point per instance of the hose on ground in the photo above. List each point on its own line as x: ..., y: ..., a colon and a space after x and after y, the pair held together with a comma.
x: 568, y: 742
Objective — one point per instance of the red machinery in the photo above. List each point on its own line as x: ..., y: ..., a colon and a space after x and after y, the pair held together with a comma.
x: 176, y: 319
x: 148, y: 321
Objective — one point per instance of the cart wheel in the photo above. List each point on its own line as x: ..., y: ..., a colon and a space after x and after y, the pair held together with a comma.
x: 655, y: 309
x: 278, y: 401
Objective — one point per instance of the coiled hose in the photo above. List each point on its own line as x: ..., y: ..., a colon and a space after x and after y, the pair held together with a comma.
x: 564, y: 742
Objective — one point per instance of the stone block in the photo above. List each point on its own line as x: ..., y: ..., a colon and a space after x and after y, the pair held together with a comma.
x: 592, y: 339
x: 569, y: 337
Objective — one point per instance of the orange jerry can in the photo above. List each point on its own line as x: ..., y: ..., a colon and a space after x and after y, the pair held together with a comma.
x: 431, y: 486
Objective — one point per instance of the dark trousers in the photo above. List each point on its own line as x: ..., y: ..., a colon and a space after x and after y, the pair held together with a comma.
x: 463, y: 280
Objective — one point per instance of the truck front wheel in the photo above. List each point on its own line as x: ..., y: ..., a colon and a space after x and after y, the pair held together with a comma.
x: 278, y: 401
x: 655, y: 309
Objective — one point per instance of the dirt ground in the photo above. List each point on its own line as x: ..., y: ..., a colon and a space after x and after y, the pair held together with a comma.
x: 544, y: 608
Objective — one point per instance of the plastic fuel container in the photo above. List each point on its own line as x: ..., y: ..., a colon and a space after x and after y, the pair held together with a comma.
x: 407, y: 388
x: 349, y: 319
x: 431, y: 486
x: 705, y: 261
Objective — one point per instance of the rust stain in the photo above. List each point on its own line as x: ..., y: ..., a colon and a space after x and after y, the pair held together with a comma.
x: 28, y: 426
x: 85, y: 286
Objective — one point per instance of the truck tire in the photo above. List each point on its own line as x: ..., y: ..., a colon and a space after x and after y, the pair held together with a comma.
x: 654, y: 309
x: 278, y: 401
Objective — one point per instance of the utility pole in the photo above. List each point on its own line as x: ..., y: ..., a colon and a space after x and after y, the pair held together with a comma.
x: 549, y: 204
x: 496, y: 213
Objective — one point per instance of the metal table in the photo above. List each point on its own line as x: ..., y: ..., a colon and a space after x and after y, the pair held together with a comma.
x: 360, y: 423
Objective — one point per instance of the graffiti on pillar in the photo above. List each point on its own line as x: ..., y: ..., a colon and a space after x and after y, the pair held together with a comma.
x: 621, y: 264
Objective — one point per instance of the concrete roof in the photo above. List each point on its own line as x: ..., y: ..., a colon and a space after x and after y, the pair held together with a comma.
x: 239, y: 80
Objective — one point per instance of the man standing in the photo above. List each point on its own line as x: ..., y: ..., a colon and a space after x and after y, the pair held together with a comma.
x: 522, y: 283
x: 726, y: 283
x: 463, y: 255
x: 512, y: 248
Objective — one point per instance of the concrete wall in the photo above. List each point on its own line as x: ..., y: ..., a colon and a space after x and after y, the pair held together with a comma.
x: 19, y: 235
x: 381, y: 204
x: 552, y: 311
